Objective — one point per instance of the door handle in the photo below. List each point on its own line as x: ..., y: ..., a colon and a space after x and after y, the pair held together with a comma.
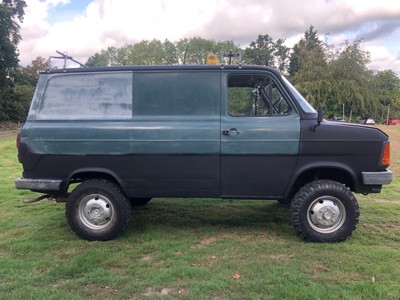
x: 231, y: 131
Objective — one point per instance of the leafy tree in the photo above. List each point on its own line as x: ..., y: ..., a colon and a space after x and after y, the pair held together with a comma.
x: 195, y: 50
x: 23, y: 88
x: 309, y: 47
x: 11, y: 13
x: 351, y: 81
x: 264, y: 51
x: 112, y: 56
x: 339, y: 79
x: 155, y: 52
x: 152, y: 52
x: 170, y: 53
x: 21, y: 100
x: 39, y: 64
x: 282, y: 57
x: 386, y: 88
x: 261, y: 52
x: 308, y: 61
x: 308, y: 68
x: 335, y: 76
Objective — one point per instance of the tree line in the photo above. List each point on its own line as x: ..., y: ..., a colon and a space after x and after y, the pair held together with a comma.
x: 335, y: 76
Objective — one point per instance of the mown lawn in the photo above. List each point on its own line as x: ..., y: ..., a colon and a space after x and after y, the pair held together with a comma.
x: 196, y: 249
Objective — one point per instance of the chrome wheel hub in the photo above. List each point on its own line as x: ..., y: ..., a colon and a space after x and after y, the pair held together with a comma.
x: 95, y: 211
x: 326, y: 214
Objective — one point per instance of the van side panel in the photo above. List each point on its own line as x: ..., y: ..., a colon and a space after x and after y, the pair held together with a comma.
x: 158, y: 136
x: 176, y: 134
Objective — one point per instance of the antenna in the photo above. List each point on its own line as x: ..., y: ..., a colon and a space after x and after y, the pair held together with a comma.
x: 231, y: 55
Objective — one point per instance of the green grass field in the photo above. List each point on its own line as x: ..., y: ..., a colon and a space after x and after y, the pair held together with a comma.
x: 196, y: 249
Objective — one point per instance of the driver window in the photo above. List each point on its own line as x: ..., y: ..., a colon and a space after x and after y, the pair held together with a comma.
x: 254, y: 95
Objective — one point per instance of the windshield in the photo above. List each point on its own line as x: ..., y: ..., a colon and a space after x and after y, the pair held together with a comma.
x: 305, y: 106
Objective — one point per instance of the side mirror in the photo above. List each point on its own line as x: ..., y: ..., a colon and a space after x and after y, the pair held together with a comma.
x: 320, y: 114
x: 319, y: 117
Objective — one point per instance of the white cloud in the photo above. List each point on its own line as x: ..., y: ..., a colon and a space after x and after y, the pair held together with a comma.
x: 378, y: 52
x: 114, y: 23
x: 382, y: 59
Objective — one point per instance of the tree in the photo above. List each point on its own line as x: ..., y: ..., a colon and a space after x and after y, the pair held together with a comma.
x: 351, y: 81
x: 261, y: 52
x: 195, y: 50
x: 152, y: 52
x: 308, y: 68
x: 264, y: 51
x: 11, y: 13
x: 39, y: 64
x: 386, y: 88
x: 308, y: 59
x: 24, y: 83
x: 112, y: 56
x: 335, y: 76
x: 170, y: 53
x: 282, y: 57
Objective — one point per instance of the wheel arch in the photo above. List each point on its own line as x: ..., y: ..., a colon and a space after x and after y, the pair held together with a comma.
x: 84, y: 174
x: 336, y: 172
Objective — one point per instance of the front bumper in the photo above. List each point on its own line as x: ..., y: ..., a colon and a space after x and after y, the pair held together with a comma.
x: 377, y: 178
x: 38, y: 184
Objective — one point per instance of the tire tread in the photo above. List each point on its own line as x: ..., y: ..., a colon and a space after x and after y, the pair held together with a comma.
x: 111, y: 188
x: 303, y: 196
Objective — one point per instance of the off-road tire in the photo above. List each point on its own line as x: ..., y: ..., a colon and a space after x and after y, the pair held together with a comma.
x: 324, y: 211
x: 98, y: 210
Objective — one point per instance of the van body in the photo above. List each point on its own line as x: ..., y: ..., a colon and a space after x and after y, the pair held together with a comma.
x: 135, y: 133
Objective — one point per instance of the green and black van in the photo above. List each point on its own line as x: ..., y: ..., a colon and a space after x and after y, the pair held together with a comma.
x: 129, y: 134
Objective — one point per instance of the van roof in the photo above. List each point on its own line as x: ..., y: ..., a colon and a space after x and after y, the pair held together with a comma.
x: 162, y: 68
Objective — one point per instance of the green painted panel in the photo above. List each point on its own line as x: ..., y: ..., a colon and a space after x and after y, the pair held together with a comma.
x: 261, y: 135
x: 78, y: 137
x: 176, y: 135
x: 176, y: 112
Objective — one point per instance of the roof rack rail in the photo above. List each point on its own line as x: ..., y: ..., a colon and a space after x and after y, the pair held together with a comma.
x: 65, y: 57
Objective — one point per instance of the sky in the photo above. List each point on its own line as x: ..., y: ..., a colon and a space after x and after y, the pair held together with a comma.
x: 83, y: 27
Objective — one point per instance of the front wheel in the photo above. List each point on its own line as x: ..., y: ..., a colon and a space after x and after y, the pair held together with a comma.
x: 98, y: 210
x: 324, y: 211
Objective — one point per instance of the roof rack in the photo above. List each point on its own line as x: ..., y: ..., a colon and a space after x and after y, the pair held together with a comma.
x: 65, y: 57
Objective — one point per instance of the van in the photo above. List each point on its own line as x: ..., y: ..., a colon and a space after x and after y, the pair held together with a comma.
x: 128, y: 134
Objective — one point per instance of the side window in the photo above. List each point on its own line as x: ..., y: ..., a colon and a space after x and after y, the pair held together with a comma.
x: 255, y: 95
x: 87, y: 96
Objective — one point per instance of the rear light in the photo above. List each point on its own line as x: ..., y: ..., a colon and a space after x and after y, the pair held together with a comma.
x: 385, y: 160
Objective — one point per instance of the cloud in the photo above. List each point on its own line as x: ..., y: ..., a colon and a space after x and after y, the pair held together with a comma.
x: 106, y: 23
x: 379, y: 29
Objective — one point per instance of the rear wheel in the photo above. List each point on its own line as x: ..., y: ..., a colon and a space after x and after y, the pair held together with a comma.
x: 324, y: 211
x: 98, y: 210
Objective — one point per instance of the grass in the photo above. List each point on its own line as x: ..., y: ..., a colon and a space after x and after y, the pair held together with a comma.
x: 196, y: 249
